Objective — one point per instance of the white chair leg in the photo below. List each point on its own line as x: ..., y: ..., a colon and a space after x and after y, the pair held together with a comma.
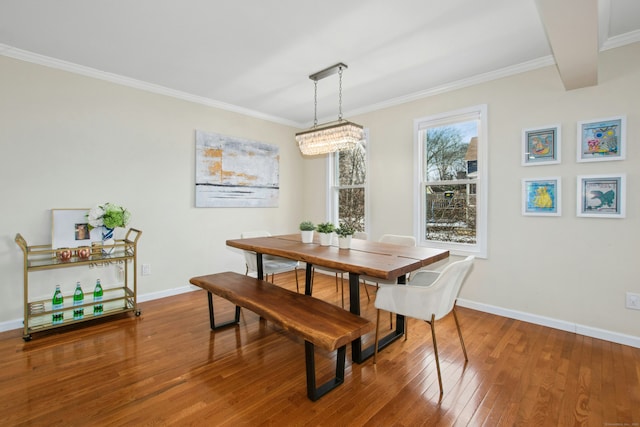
x: 435, y: 351
x: 464, y: 350
x: 390, y: 313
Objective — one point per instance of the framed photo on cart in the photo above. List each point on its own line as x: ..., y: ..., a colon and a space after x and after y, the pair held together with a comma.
x: 541, y: 146
x: 541, y: 196
x: 601, y: 196
x: 602, y: 139
x: 70, y: 229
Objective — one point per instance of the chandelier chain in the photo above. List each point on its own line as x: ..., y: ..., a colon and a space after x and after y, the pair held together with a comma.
x: 340, y: 94
x: 315, y: 103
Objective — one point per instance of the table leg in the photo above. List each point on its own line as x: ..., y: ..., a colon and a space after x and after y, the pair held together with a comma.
x: 259, y: 265
x: 358, y: 354
x: 308, y: 280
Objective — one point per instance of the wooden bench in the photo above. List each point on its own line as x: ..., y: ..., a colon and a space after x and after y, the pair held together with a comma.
x: 317, y: 321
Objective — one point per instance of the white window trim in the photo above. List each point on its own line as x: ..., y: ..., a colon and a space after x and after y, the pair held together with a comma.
x: 480, y: 248
x: 332, y: 196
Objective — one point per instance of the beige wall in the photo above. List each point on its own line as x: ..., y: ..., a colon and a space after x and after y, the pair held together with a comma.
x: 564, y: 271
x: 71, y: 141
x: 68, y: 141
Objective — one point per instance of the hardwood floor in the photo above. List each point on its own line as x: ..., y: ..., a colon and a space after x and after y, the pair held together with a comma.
x: 167, y: 368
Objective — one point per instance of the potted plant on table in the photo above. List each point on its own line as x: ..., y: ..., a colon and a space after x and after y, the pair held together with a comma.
x: 344, y: 232
x: 306, y: 231
x: 325, y: 229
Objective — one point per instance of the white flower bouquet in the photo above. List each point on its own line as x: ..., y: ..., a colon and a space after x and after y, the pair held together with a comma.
x: 109, y: 216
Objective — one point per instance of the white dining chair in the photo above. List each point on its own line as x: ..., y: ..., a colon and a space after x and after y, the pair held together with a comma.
x: 339, y: 273
x: 394, y: 239
x: 271, y: 265
x: 426, y: 299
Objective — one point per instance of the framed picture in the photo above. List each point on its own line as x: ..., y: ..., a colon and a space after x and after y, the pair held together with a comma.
x: 541, y: 146
x: 70, y: 229
x: 601, y: 196
x: 541, y: 196
x: 234, y: 172
x: 602, y: 139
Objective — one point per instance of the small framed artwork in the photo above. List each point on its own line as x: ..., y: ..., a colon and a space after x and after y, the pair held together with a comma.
x: 70, y: 229
x: 601, y: 196
x: 541, y: 146
x: 541, y: 196
x: 602, y: 139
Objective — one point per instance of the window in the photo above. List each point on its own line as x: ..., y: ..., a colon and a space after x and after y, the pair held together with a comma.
x: 451, y: 176
x: 348, y: 187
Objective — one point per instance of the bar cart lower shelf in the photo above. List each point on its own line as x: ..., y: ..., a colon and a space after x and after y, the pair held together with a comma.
x: 38, y: 314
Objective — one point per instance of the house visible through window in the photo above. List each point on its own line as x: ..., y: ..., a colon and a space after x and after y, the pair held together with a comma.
x: 451, y: 175
x: 348, y: 189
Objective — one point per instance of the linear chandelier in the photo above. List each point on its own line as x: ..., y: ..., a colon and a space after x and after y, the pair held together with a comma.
x: 329, y: 137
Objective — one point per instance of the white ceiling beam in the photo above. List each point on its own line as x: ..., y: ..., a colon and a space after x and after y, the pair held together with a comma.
x: 572, y: 30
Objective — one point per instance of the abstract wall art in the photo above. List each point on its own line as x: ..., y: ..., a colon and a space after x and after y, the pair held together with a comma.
x: 235, y: 172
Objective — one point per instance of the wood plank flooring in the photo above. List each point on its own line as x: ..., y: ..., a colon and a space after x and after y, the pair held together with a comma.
x: 167, y: 367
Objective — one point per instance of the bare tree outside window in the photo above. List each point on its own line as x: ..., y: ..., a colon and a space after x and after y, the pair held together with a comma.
x: 445, y: 154
x: 351, y: 180
x: 450, y: 183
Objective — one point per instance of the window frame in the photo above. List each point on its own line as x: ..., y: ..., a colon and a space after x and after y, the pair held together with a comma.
x: 333, y: 187
x: 478, y: 112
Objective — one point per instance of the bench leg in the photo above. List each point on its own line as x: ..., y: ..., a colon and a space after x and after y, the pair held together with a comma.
x: 211, y: 317
x: 314, y: 393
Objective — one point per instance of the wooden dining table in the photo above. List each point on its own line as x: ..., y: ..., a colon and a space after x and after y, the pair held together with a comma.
x: 375, y: 259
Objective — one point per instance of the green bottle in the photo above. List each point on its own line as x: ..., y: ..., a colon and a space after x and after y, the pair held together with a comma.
x: 97, y: 296
x: 78, y: 299
x: 57, y: 303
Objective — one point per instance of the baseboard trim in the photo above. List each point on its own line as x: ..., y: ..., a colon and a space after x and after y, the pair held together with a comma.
x: 167, y: 293
x: 562, y: 325
x: 18, y: 324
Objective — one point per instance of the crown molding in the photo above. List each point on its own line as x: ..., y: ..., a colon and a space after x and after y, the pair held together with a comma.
x: 471, y: 81
x: 50, y: 62
x: 6, y: 50
x: 621, y: 40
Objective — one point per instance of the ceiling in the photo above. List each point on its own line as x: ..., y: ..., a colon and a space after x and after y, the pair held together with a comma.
x: 255, y: 56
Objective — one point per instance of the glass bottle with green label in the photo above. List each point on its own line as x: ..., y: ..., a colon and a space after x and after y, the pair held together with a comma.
x: 97, y: 296
x: 57, y: 303
x: 78, y: 299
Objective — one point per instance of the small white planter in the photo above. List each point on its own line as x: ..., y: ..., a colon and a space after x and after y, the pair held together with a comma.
x: 325, y: 239
x: 344, y: 242
x: 307, y: 236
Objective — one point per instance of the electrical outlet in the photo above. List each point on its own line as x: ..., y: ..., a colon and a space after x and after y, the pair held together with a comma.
x: 633, y: 301
x: 146, y: 269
